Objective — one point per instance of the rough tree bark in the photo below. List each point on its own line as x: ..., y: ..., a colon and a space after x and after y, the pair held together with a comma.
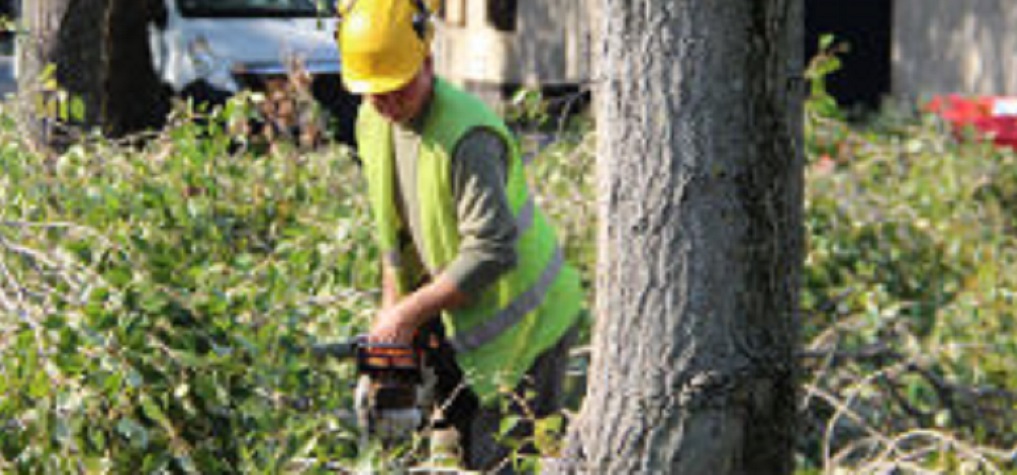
x: 100, y: 52
x: 700, y: 177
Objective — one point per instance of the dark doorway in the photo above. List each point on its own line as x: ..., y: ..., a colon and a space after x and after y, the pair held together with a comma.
x: 502, y: 14
x: 866, y: 26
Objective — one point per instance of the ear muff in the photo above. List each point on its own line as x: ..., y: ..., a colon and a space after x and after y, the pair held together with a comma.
x: 422, y: 21
x: 342, y: 8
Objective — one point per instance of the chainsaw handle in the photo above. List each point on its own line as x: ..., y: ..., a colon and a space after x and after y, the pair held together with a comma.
x: 342, y: 350
x: 369, y: 355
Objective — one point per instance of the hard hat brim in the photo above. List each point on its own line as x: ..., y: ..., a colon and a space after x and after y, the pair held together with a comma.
x: 375, y: 85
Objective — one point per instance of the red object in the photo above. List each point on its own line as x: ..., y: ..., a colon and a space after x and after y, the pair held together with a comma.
x: 994, y: 117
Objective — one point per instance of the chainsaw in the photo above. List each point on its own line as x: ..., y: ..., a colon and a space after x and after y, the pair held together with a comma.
x: 395, y: 387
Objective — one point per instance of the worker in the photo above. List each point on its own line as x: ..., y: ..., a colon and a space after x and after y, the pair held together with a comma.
x: 459, y: 232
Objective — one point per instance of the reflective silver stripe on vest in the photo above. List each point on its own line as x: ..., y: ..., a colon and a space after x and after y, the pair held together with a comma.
x: 514, y: 312
x: 524, y: 218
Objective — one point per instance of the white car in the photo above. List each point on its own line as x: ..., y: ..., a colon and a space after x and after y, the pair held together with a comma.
x: 210, y: 49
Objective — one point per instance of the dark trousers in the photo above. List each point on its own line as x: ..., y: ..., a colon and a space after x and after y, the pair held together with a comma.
x: 540, y: 394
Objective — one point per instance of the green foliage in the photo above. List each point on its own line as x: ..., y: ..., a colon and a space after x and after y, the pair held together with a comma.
x: 157, y: 304
x: 154, y: 303
x: 53, y: 102
x: 823, y: 64
x: 908, y: 297
x: 527, y: 107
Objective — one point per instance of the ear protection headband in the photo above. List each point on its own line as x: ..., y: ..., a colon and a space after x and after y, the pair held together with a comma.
x: 421, y: 19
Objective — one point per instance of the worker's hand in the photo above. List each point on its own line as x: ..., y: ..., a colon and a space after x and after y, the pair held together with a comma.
x: 392, y: 326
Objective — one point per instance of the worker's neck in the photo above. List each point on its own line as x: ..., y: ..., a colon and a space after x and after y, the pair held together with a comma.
x: 417, y: 122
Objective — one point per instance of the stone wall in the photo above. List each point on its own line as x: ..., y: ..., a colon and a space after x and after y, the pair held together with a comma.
x: 550, y: 44
x: 964, y: 46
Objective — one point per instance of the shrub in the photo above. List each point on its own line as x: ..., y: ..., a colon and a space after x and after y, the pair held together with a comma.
x: 157, y: 304
x: 908, y: 298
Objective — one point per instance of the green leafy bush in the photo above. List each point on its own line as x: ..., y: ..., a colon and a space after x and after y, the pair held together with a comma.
x: 908, y: 299
x: 157, y: 304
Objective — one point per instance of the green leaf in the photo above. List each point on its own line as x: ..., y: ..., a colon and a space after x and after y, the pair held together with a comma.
x: 133, y: 432
x: 547, y: 433
x: 97, y: 438
x: 119, y: 276
x: 153, y: 411
x: 95, y: 465
x: 54, y: 322
x: 549, y: 425
x: 112, y: 382
x: 63, y: 99
x: 134, y: 378
x: 155, y: 463
x: 826, y: 41
x: 40, y: 386
x: 77, y: 108
x: 153, y: 302
x: 186, y: 463
x: 507, y: 424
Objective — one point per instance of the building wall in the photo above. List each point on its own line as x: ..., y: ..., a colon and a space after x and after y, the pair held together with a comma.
x: 550, y: 44
x: 963, y: 46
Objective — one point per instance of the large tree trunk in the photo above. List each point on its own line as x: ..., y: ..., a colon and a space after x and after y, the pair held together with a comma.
x: 134, y: 98
x: 100, y: 52
x: 700, y: 174
x: 37, y: 48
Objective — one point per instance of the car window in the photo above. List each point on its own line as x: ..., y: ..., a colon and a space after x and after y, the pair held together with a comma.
x: 255, y: 8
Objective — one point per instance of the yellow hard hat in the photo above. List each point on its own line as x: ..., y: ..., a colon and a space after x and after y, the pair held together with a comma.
x: 383, y: 43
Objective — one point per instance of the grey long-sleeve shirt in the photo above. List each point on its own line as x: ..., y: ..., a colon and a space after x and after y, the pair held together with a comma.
x: 487, y: 229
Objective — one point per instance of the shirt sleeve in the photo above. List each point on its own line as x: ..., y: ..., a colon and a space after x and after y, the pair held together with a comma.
x: 487, y: 229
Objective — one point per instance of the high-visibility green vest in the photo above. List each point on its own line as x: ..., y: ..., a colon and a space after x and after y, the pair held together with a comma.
x: 527, y: 310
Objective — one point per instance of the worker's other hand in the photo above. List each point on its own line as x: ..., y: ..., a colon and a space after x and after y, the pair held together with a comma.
x: 392, y: 326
